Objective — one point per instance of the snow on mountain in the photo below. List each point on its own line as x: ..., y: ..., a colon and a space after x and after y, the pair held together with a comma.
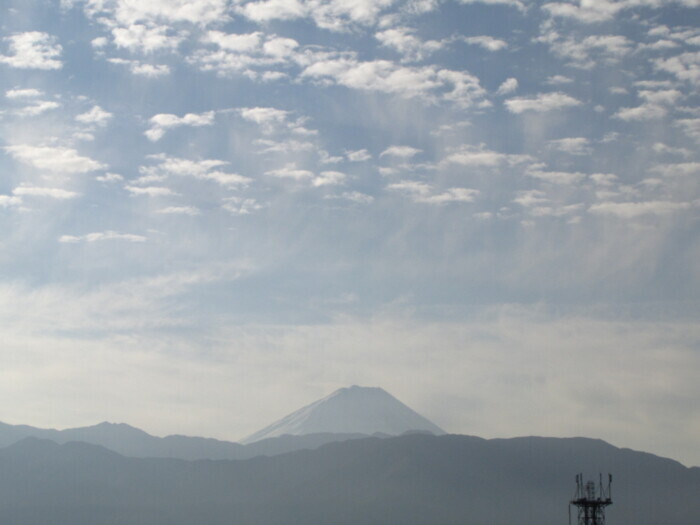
x: 365, y: 410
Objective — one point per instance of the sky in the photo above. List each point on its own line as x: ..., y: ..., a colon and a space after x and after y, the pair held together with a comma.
x: 214, y: 212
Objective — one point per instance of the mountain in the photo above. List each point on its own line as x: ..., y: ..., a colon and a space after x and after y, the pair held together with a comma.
x: 412, y: 480
x: 130, y: 441
x: 356, y: 409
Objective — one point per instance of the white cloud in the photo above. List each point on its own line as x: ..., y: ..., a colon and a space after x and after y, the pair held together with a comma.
x: 109, y: 177
x: 139, y: 68
x: 586, y: 11
x: 163, y: 122
x: 33, y: 50
x: 241, y: 206
x: 359, y: 155
x: 556, y: 211
x: 38, y: 108
x: 654, y: 106
x: 631, y: 210
x: 9, y: 200
x: 556, y: 177
x: 402, y: 40
x: 23, y: 93
x: 239, y: 42
x: 423, y: 193
x: 541, y: 102
x: 587, y: 52
x: 102, y: 236
x: 146, y: 38
x: 329, y: 178
x: 643, y: 112
x: 679, y: 169
x: 691, y: 127
x: 291, y: 172
x: 180, y: 210
x: 557, y: 80
x: 530, y: 198
x: 150, y: 191
x: 450, y: 195
x: 487, y: 42
x: 56, y: 159
x: 479, y: 156
x: 199, y: 169
x: 267, y: 118
x: 200, y: 12
x: 266, y: 10
x: 508, y: 86
x: 572, y: 145
x: 428, y: 82
x: 662, y: 148
x: 246, y: 53
x: 96, y: 115
x: 284, y: 147
x: 513, y: 3
x: 37, y: 191
x: 357, y: 197
x: 404, y: 152
x: 604, y: 179
x: 685, y: 67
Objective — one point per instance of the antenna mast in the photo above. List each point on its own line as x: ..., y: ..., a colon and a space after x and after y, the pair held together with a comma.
x: 591, y: 501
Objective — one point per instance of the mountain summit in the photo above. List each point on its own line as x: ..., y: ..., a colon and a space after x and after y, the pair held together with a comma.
x: 359, y: 410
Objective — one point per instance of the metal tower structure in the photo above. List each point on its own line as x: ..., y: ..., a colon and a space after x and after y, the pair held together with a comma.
x: 591, y: 501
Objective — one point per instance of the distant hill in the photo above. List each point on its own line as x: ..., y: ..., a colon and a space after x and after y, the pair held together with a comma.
x: 363, y: 410
x: 133, y: 442
x: 408, y: 480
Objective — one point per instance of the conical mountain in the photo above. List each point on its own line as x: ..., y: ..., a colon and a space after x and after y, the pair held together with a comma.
x: 353, y: 410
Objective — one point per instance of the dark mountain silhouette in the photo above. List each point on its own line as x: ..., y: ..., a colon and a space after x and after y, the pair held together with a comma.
x: 412, y: 479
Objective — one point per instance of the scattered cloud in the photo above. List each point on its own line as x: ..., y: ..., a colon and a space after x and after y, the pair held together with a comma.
x: 404, y: 152
x: 96, y: 116
x: 180, y: 210
x: 403, y: 41
x: 38, y: 191
x: 143, y: 69
x: 479, y: 156
x: 423, y: 193
x: 487, y: 42
x: 541, y: 102
x: 55, y: 159
x: 508, y: 86
x: 290, y: 171
x: 572, y: 145
x: 38, y: 108
x: 150, y: 191
x: 164, y: 122
x: 23, y: 93
x: 101, y: 236
x: 33, y: 50
x: 631, y: 210
x: 329, y: 178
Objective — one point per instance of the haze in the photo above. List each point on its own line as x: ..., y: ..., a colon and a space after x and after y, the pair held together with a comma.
x: 214, y: 212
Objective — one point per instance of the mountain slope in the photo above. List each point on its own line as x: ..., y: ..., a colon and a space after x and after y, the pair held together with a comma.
x: 412, y: 480
x: 355, y: 409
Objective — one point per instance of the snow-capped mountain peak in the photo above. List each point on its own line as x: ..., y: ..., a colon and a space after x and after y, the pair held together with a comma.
x: 352, y: 410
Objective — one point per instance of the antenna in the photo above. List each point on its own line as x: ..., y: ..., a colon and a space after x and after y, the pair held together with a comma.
x: 591, y: 500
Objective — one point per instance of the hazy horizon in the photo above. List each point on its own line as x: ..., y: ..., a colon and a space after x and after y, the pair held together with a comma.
x: 214, y: 212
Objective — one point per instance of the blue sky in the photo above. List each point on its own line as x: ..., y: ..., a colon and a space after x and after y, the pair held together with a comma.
x: 213, y: 212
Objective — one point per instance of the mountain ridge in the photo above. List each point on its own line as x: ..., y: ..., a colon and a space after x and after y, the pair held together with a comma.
x: 412, y: 479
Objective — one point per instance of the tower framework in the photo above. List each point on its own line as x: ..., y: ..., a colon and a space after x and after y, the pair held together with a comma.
x: 591, y: 501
